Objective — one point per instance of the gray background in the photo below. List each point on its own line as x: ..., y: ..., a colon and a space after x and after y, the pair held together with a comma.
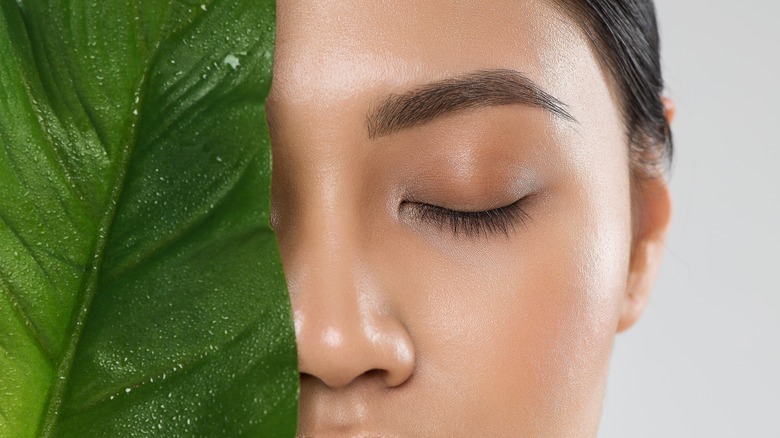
x: 704, y: 360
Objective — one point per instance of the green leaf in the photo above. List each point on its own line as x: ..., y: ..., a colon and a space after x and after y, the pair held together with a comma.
x: 141, y: 290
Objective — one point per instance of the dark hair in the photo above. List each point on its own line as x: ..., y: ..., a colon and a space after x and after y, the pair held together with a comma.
x: 625, y: 36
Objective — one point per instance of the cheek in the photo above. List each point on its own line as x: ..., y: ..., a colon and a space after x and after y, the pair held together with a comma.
x: 524, y: 325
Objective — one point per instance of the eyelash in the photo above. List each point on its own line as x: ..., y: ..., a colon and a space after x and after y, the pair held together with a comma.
x: 472, y: 223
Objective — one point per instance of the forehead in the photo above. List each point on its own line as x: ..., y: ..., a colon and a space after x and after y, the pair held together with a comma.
x: 334, y: 49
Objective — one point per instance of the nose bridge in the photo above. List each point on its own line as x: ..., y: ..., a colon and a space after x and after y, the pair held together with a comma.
x: 342, y: 329
x: 324, y: 243
x: 326, y: 248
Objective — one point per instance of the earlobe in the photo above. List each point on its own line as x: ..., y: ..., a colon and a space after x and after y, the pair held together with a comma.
x: 654, y: 215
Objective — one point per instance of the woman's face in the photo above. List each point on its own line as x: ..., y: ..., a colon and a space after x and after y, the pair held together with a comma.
x: 457, y: 249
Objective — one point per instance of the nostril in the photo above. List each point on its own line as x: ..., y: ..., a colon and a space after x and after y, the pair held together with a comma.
x: 380, y: 376
x: 387, y: 378
x: 375, y: 374
x: 306, y: 377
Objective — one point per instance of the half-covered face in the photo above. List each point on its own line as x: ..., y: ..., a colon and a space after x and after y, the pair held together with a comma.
x: 452, y: 198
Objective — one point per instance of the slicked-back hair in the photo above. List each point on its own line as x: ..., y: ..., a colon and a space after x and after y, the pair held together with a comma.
x: 625, y: 36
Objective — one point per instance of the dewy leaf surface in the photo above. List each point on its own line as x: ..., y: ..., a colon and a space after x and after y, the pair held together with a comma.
x: 141, y: 291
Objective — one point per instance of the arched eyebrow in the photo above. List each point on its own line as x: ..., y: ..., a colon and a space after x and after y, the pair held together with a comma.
x: 478, y: 89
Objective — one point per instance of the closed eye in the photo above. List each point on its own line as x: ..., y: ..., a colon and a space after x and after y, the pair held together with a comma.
x: 499, y: 220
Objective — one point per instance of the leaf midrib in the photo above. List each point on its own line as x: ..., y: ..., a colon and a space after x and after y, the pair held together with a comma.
x: 88, y: 290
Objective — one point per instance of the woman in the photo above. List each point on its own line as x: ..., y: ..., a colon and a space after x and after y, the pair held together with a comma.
x: 470, y: 204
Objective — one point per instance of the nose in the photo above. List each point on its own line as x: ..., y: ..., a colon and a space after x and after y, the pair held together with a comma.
x: 344, y: 327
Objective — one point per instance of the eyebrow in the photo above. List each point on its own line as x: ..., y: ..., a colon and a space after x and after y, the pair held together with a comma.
x: 483, y: 88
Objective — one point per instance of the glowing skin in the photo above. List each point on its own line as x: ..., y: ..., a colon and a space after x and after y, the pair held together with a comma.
x: 405, y: 327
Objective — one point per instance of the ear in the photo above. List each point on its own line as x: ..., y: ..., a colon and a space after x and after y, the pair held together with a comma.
x: 653, y: 212
x: 670, y: 109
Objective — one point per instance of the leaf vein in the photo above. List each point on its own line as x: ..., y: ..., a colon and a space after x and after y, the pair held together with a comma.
x: 178, y: 234
x: 193, y: 360
x: 90, y: 284
x: 30, y: 251
x: 31, y: 329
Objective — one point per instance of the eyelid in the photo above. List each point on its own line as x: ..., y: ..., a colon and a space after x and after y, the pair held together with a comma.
x: 500, y: 220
